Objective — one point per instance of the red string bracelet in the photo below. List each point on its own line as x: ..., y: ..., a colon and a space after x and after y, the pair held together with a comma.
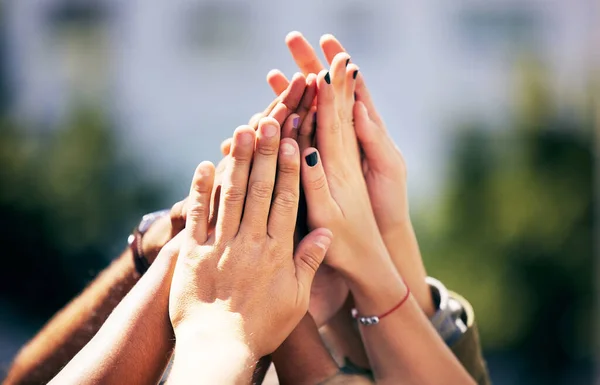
x: 374, y: 320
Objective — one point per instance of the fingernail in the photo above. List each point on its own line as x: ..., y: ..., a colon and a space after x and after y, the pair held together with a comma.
x: 312, y: 159
x: 287, y: 149
x: 269, y: 130
x: 347, y: 62
x: 295, y: 122
x: 327, y: 78
x: 245, y: 138
x: 323, y: 242
x: 355, y: 74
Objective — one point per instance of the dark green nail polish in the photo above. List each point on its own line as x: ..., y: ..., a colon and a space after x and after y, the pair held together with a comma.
x: 347, y: 62
x: 355, y: 74
x: 312, y: 159
x: 327, y: 78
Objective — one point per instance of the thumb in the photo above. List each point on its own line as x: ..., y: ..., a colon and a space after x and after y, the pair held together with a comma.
x: 308, y: 257
x: 371, y: 137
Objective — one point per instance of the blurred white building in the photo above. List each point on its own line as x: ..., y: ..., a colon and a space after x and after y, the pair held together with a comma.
x: 178, y: 76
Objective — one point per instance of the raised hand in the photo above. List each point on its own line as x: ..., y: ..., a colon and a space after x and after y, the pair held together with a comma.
x: 383, y: 166
x: 332, y: 179
x: 242, y: 282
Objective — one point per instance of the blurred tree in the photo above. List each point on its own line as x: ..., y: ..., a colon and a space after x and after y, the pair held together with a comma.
x: 67, y: 203
x: 514, y: 235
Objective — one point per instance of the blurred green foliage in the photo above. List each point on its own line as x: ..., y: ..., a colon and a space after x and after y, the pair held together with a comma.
x: 68, y: 200
x: 513, y: 232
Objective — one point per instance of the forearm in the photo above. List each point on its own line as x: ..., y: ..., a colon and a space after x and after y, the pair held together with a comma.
x: 204, y: 358
x: 73, y: 327
x: 403, y: 248
x: 343, y: 338
x: 302, y: 358
x: 403, y: 346
x: 135, y: 343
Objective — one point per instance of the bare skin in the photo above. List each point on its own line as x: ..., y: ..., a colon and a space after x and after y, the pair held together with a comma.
x: 75, y: 325
x: 261, y: 288
x: 403, y: 347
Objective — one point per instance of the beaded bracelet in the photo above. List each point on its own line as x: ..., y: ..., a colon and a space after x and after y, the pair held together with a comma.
x: 374, y: 320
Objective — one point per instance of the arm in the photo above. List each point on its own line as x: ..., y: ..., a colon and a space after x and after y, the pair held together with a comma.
x: 202, y: 356
x: 404, y: 344
x: 385, y: 175
x: 71, y: 328
x: 134, y: 345
x: 247, y: 307
x: 337, y: 197
x: 302, y: 358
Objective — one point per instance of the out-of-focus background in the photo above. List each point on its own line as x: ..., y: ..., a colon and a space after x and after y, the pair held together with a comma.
x: 107, y: 106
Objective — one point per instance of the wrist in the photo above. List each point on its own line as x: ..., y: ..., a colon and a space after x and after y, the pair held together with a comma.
x: 377, y: 289
x: 211, y: 357
x: 157, y: 235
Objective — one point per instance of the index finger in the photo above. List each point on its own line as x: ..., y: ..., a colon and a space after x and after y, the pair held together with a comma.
x: 303, y: 53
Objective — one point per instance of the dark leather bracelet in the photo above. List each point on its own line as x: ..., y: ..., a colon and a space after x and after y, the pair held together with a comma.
x: 135, y: 240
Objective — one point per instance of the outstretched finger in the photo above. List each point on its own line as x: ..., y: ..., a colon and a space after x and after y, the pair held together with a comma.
x: 290, y: 99
x: 198, y: 206
x: 262, y: 179
x: 303, y: 53
x: 330, y: 47
x: 284, y: 208
x: 278, y: 81
x: 329, y: 135
x: 235, y: 183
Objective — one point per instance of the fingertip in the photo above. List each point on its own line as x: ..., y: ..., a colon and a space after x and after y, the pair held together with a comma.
x: 293, y: 35
x: 204, y: 170
x: 352, y: 69
x: 202, y: 181
x: 288, y: 147
x: 268, y: 121
x: 325, y: 38
x: 297, y: 76
x: 243, y: 136
x: 323, y: 79
x: 341, y: 57
x: 226, y: 146
x: 274, y: 72
x: 323, y: 238
x: 311, y: 157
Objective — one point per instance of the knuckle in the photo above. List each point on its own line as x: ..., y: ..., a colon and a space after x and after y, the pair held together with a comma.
x: 288, y: 166
x: 286, y: 200
x: 336, y: 125
x: 310, y: 258
x: 260, y: 190
x: 201, y: 188
x: 198, y: 211
x: 233, y: 195
x: 318, y: 184
x: 267, y: 149
x: 346, y: 119
x: 240, y: 157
